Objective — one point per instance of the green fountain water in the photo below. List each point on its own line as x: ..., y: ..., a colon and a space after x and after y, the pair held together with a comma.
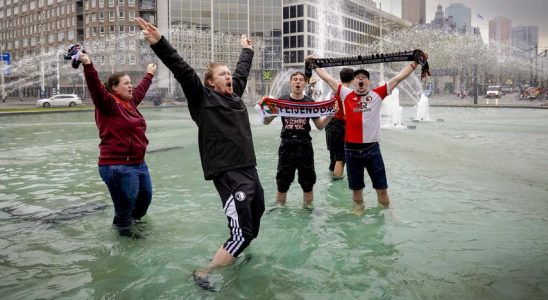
x: 469, y: 216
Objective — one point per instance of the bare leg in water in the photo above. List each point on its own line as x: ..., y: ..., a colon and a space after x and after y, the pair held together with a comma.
x: 307, y: 199
x: 221, y: 259
x: 338, y: 171
x: 281, y: 198
x: 359, y: 207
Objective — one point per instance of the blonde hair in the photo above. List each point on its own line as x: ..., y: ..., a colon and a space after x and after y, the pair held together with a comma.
x: 209, y: 72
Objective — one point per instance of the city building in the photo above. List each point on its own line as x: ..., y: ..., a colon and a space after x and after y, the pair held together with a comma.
x: 206, y: 31
x: 331, y: 28
x: 500, y: 30
x: 440, y: 22
x: 283, y: 33
x: 47, y: 28
x: 525, y: 39
x: 414, y: 11
x: 462, y: 16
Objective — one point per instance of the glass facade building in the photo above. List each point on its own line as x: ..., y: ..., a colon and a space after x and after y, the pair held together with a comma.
x: 331, y: 29
x: 209, y: 30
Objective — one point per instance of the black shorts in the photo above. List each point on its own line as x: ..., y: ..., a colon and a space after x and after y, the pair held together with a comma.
x: 334, y: 137
x: 243, y: 204
x: 295, y: 156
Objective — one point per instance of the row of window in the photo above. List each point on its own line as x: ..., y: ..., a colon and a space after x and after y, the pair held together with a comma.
x: 119, y: 59
x: 101, y: 3
x: 293, y: 26
x: 295, y: 11
x: 21, y: 31
x: 293, y: 56
x: 122, y: 29
x: 58, y: 11
x: 40, y: 2
x: 297, y: 41
x: 298, y: 26
x: 49, y: 39
x: 93, y: 17
x: 70, y: 35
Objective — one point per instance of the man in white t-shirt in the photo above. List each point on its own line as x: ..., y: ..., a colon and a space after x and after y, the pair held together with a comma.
x: 362, y: 108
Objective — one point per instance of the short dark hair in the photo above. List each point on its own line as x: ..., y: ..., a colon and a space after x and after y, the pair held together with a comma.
x: 346, y: 75
x: 361, y: 71
x: 298, y: 73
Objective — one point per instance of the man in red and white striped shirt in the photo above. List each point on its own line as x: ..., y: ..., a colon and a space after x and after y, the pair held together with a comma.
x: 362, y: 108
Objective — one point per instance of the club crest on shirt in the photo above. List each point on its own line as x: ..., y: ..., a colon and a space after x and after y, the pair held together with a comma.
x: 240, y: 196
x: 362, y: 104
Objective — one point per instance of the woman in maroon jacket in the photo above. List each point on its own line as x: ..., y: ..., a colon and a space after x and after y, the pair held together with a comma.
x: 123, y: 142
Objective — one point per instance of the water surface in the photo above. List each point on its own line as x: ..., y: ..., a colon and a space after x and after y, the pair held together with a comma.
x: 469, y: 216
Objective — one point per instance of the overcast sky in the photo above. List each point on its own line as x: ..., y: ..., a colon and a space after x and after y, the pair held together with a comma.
x: 521, y: 12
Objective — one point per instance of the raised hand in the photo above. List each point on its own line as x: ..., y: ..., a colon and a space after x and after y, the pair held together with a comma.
x: 84, y: 58
x: 151, y: 33
x: 260, y: 101
x: 151, y: 69
x: 245, y: 42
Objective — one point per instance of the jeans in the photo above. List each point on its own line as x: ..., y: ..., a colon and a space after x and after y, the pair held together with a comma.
x: 130, y: 188
x: 369, y: 159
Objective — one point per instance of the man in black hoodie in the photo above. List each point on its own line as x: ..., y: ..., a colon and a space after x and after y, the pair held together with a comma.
x: 225, y: 142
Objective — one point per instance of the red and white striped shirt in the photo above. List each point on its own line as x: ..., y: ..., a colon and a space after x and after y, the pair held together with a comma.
x: 363, y: 114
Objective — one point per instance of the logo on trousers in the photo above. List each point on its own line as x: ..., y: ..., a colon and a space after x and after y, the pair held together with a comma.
x: 240, y: 196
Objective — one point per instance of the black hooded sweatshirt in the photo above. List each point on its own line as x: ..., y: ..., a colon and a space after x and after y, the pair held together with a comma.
x: 224, y: 133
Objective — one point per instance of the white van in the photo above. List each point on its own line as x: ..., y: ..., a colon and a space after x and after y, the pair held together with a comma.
x: 494, y: 91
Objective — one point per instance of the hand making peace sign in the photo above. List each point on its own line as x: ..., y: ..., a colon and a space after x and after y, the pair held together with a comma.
x: 152, y: 34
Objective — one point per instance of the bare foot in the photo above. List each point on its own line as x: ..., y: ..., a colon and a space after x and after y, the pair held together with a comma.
x: 385, y: 205
x: 335, y: 178
x: 308, y: 205
x: 359, y: 209
x: 201, y: 277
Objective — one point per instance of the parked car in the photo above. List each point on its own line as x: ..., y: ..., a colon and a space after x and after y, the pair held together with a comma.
x: 507, y: 89
x: 69, y: 100
x: 493, y: 91
x: 155, y: 96
x: 533, y: 93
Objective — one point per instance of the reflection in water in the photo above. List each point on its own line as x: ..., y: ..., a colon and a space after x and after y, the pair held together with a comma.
x: 469, y: 194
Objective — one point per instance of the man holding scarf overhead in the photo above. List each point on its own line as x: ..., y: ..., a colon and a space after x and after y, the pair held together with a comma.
x: 362, y: 108
x: 295, y: 152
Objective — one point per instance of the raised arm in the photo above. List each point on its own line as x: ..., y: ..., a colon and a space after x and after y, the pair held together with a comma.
x: 420, y: 56
x: 239, y: 78
x: 404, y: 73
x: 99, y: 95
x: 141, y: 89
x: 184, y: 74
x: 333, y: 84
